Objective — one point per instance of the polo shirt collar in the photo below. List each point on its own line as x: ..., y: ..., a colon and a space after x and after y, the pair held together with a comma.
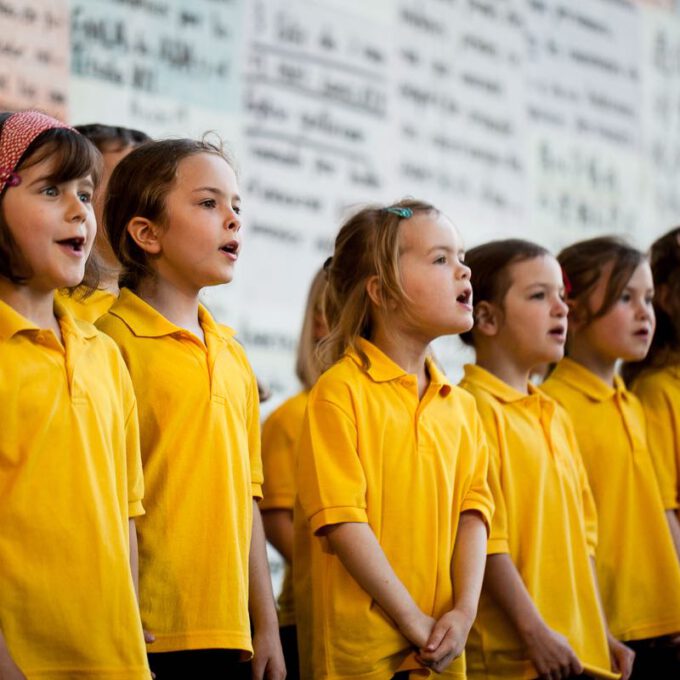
x: 146, y: 322
x: 495, y: 386
x: 383, y: 369
x: 11, y: 323
x: 585, y: 381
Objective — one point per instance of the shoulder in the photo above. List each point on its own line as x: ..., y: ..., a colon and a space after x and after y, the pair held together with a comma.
x: 291, y: 410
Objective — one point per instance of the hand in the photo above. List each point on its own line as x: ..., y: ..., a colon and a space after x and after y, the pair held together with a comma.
x: 268, y: 663
x: 622, y: 657
x: 417, y: 629
x: 149, y: 637
x: 551, y: 653
x: 446, y: 642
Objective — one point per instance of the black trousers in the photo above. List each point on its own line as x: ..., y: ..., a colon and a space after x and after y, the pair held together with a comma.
x: 199, y: 664
x: 655, y: 658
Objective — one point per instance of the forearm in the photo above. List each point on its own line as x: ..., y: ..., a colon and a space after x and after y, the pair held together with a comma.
x: 260, y: 595
x: 505, y: 585
x: 278, y: 528
x: 467, y: 565
x: 8, y: 668
x: 358, y: 549
x: 674, y: 526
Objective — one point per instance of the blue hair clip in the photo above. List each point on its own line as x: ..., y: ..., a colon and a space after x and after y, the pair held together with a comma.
x: 404, y: 213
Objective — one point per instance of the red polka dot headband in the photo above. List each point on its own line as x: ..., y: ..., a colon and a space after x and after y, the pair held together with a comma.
x: 18, y: 131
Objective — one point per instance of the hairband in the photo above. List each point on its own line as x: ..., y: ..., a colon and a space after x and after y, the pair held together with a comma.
x: 567, y: 283
x: 18, y: 132
x: 404, y: 213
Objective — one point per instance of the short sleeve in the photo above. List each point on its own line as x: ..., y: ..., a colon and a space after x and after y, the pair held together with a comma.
x: 478, y: 496
x: 663, y: 440
x: 279, y: 439
x: 254, y: 442
x: 330, y: 477
x: 498, y: 533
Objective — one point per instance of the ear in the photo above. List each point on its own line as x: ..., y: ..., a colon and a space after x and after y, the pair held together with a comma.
x: 662, y: 298
x: 488, y: 318
x: 145, y: 234
x: 373, y: 288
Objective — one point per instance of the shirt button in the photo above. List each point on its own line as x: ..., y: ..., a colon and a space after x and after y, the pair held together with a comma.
x: 407, y: 382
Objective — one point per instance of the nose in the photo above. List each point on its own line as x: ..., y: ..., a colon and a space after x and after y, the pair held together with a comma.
x: 76, y: 210
x: 233, y: 220
x: 463, y: 272
x: 560, y: 307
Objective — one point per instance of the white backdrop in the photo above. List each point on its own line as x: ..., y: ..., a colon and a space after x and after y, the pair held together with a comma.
x: 546, y: 119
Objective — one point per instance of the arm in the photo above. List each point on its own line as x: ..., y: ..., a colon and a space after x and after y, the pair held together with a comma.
x: 8, y: 669
x: 549, y: 651
x: 674, y: 526
x: 278, y: 527
x: 268, y: 659
x: 622, y: 657
x: 448, y: 637
x: 358, y: 549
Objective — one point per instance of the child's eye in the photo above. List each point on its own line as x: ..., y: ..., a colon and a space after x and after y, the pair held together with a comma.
x: 85, y: 196
x: 540, y: 295
x: 237, y: 209
x: 440, y: 260
x: 626, y: 297
x: 50, y: 190
x: 209, y: 203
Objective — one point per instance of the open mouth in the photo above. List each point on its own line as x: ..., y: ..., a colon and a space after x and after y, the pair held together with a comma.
x: 230, y: 248
x: 76, y: 244
x: 465, y: 298
x: 558, y: 332
x: 642, y: 333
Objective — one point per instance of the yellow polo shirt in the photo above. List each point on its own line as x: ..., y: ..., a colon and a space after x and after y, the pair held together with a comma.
x: 70, y: 477
x: 280, y: 434
x: 545, y: 520
x: 200, y: 440
x: 371, y: 451
x: 637, y: 567
x: 659, y: 393
x: 87, y: 309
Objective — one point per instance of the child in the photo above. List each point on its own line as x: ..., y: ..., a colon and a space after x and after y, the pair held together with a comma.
x: 114, y: 143
x: 611, y: 318
x: 70, y: 471
x: 280, y: 434
x: 392, y: 461
x: 539, y: 613
x: 656, y: 378
x: 172, y: 217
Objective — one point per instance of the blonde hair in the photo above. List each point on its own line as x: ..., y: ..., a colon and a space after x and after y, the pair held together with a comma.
x: 308, y: 366
x: 366, y: 246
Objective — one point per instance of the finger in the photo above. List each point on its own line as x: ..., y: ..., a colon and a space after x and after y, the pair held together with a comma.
x: 149, y: 637
x: 436, y: 636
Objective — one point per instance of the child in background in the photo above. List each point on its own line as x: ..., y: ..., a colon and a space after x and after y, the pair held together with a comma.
x: 172, y: 216
x: 280, y: 434
x: 611, y: 317
x: 392, y: 461
x: 114, y: 143
x: 539, y: 614
x: 70, y: 470
x: 655, y: 379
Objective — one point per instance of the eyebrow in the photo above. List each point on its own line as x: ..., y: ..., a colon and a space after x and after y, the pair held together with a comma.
x: 217, y: 192
x: 546, y: 286
x: 447, y: 249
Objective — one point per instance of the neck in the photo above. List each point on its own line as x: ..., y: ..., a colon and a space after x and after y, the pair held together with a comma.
x: 492, y: 358
x: 177, y: 305
x: 603, y: 367
x: 405, y: 350
x: 36, y: 306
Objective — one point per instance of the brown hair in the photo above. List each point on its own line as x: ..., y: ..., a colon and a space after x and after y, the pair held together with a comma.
x: 490, y: 264
x: 112, y: 137
x: 583, y: 264
x: 74, y: 157
x: 367, y: 245
x: 664, y: 258
x: 138, y: 187
x: 308, y: 365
